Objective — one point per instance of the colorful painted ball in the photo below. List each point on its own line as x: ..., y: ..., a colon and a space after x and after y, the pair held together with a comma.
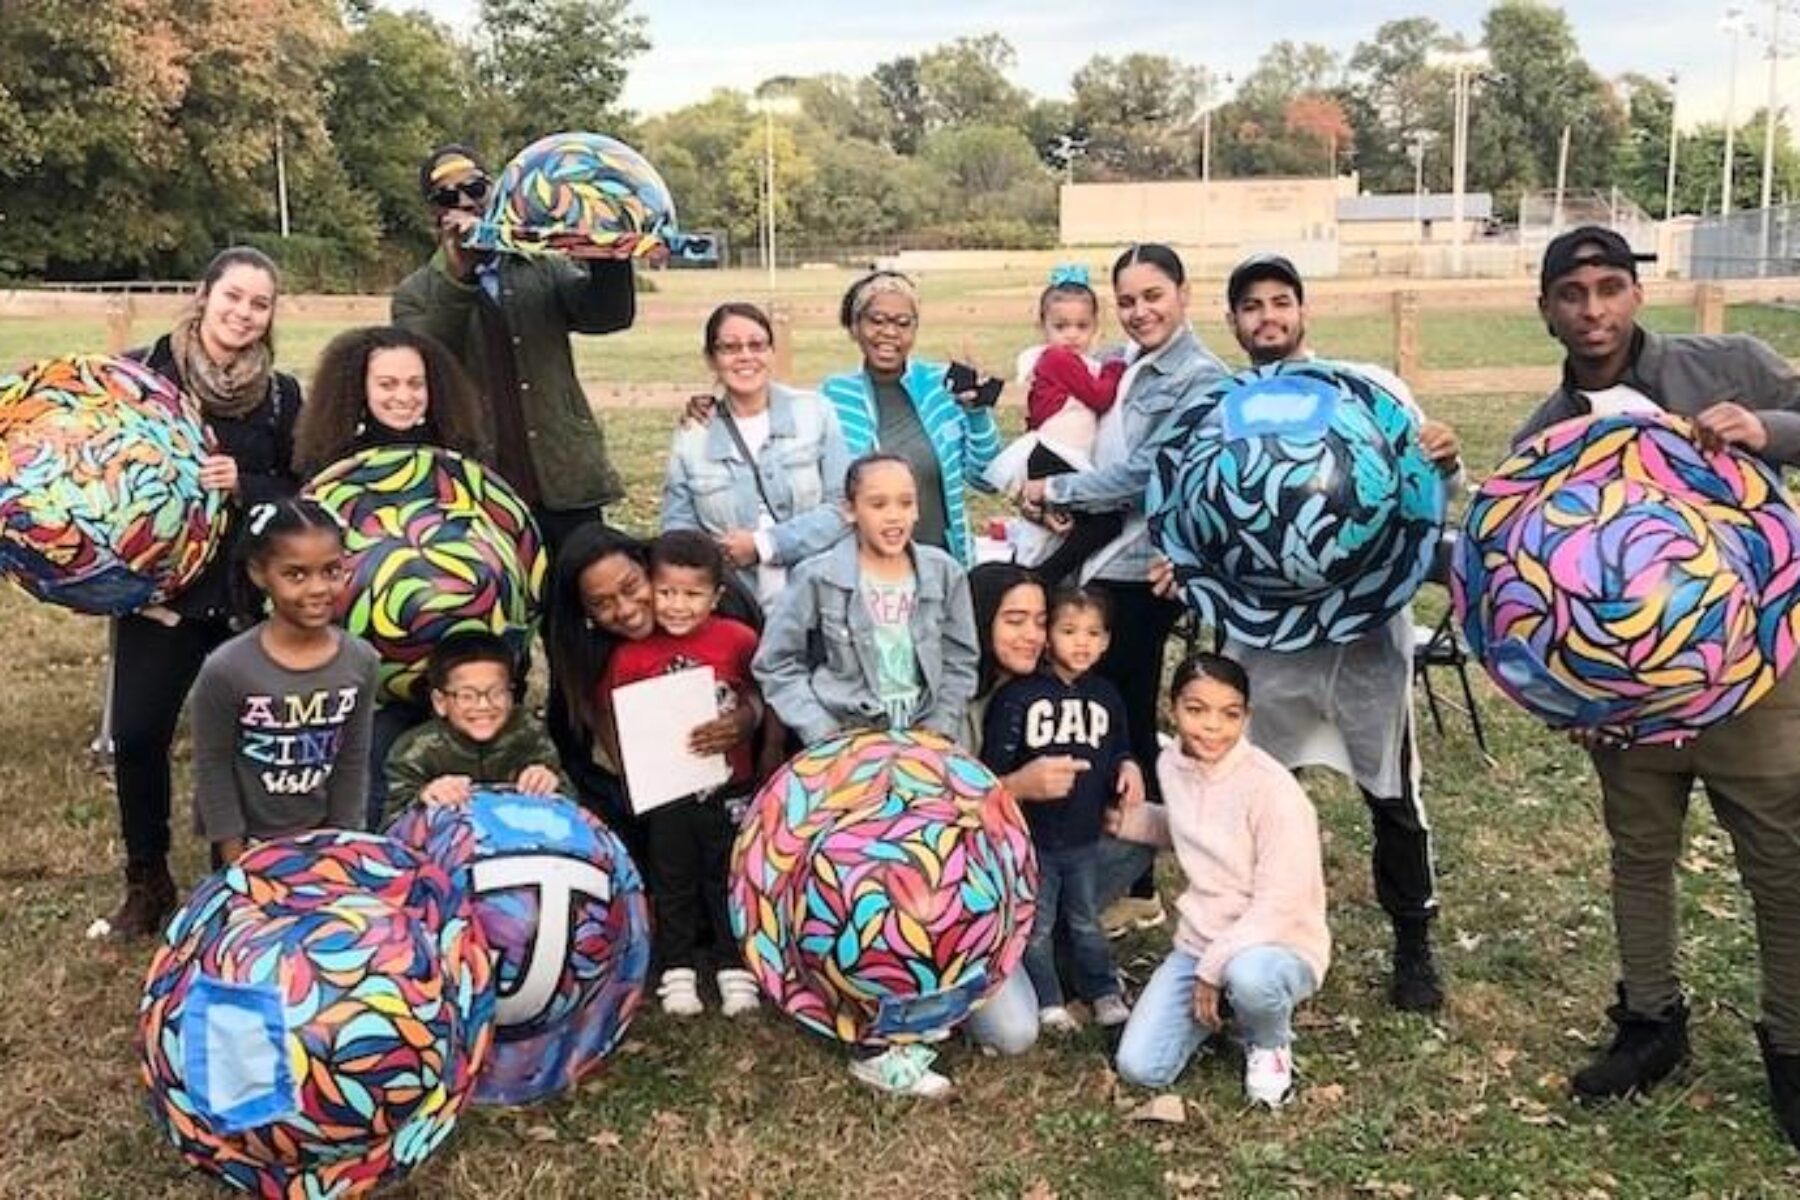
x: 586, y: 186
x: 882, y: 886
x: 564, y: 911
x: 438, y: 544
x: 1613, y: 576
x: 315, y: 1017
x: 1296, y: 504
x: 101, y: 506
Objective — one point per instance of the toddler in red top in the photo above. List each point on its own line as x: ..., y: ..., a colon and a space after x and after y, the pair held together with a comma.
x: 689, y: 841
x: 1067, y: 393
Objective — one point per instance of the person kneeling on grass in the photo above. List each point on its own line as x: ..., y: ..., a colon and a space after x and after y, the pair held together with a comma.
x: 1252, y: 941
x: 1067, y: 709
x: 479, y: 737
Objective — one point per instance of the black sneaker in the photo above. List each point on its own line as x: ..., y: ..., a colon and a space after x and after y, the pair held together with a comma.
x: 1784, y: 1085
x: 1417, y: 986
x: 1644, y: 1052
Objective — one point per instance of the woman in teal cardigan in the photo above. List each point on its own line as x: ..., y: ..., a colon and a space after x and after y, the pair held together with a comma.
x: 904, y: 406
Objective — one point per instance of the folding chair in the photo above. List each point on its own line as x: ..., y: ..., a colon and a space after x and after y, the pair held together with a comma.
x: 1442, y: 645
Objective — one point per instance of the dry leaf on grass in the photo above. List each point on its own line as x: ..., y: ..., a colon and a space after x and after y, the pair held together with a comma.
x: 1326, y: 1095
x: 1167, y: 1109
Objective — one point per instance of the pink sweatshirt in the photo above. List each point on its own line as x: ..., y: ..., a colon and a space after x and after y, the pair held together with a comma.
x: 1248, y: 843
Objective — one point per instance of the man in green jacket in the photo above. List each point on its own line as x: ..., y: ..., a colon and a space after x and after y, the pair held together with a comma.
x: 508, y: 319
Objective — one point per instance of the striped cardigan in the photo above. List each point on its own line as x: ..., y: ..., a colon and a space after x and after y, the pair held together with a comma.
x: 966, y: 439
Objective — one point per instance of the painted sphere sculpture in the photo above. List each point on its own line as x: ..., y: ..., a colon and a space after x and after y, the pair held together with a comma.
x: 1296, y: 505
x: 1613, y: 576
x: 101, y: 506
x: 315, y: 1017
x: 563, y: 910
x: 437, y: 545
x: 882, y: 886
x: 587, y: 187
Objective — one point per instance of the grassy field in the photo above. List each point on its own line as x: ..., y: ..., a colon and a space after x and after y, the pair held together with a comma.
x: 1471, y: 1104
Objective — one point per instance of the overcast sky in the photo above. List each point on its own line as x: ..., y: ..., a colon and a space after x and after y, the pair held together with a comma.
x: 699, y: 46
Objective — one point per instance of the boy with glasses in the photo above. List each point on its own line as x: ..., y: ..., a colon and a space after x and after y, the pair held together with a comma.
x: 479, y: 737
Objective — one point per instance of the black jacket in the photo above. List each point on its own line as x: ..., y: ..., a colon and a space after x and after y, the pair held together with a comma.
x: 262, y: 443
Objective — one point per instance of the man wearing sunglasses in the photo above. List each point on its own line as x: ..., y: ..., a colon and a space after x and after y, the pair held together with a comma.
x: 508, y: 320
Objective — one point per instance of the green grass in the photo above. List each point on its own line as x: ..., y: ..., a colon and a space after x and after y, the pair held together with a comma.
x: 1471, y: 1104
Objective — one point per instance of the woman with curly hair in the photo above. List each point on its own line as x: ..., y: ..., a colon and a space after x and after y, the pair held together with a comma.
x: 387, y: 386
x: 381, y: 386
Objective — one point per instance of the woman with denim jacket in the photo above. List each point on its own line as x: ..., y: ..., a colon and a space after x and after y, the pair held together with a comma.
x: 901, y: 405
x: 763, y: 470
x: 1169, y: 370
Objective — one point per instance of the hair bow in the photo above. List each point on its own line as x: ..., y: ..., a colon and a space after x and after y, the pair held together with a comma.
x: 1066, y: 274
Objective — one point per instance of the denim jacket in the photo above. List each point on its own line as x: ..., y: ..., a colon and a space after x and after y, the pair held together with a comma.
x: 1181, y: 375
x: 711, y: 487
x: 816, y: 664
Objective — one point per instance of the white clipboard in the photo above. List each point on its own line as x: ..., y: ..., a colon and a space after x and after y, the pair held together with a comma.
x: 654, y: 718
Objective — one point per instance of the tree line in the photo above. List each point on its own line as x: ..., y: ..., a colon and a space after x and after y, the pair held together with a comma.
x: 138, y: 135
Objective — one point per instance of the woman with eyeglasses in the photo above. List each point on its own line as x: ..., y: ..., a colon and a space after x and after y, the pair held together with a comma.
x: 761, y: 469
x: 221, y: 352
x: 941, y: 425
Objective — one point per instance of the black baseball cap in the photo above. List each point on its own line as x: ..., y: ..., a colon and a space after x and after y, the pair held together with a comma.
x: 1588, y: 246
x: 1257, y: 268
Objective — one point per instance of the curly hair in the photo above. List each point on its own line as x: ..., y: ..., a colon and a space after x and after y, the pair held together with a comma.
x: 332, y: 420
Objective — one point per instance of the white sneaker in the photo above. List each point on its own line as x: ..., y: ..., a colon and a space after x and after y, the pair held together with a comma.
x: 1111, y: 1011
x: 1269, y: 1076
x: 1057, y: 1019
x: 902, y: 1071
x: 679, y: 992
x: 737, y: 992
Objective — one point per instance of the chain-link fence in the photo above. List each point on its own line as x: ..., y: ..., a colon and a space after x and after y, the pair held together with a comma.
x: 1752, y: 244
x: 1543, y: 215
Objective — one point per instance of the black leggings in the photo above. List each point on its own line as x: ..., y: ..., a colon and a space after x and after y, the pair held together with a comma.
x: 153, y: 666
x: 1091, y: 531
x: 1141, y: 623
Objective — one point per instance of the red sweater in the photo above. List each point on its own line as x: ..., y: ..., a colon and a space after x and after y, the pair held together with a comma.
x: 725, y: 645
x: 1061, y: 375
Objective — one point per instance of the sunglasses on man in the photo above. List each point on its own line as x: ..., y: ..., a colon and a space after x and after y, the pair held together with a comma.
x: 452, y: 195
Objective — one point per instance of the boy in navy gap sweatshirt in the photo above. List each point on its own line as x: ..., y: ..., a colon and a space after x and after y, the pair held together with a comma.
x: 1066, y: 709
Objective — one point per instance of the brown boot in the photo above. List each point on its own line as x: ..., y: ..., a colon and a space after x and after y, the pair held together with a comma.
x: 149, y: 900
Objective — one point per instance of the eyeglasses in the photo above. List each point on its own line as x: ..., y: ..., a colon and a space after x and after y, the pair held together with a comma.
x: 451, y: 195
x: 733, y: 349
x: 899, y: 321
x: 492, y: 697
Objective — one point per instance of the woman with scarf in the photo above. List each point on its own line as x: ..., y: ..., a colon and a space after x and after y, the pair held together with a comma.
x: 221, y: 353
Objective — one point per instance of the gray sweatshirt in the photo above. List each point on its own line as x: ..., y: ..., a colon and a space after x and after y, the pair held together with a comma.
x: 279, y: 751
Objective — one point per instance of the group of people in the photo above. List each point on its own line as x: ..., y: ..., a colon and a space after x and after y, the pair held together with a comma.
x: 816, y: 553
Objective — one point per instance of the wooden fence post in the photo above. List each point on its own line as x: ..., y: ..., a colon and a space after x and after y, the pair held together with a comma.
x: 783, y: 320
x: 1709, y: 308
x: 118, y: 323
x: 1406, y: 337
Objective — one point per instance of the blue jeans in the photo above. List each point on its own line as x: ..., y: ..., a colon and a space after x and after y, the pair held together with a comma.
x: 1262, y: 986
x: 1067, y: 878
x: 1007, y: 1024
x: 1119, y: 865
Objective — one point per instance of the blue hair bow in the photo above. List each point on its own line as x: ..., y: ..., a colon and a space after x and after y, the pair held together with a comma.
x: 1064, y: 274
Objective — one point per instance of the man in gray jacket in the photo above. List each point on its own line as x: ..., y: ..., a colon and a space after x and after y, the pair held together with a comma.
x: 1738, y: 393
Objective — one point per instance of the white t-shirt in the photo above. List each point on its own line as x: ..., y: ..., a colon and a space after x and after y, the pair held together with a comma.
x: 769, y: 580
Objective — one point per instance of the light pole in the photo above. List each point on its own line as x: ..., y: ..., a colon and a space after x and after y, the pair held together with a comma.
x: 1734, y: 25
x: 1466, y: 66
x: 770, y: 107
x: 1674, y: 103
x: 1769, y: 115
x: 1206, y: 135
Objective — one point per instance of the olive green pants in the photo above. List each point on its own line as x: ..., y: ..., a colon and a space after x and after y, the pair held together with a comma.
x: 1750, y: 766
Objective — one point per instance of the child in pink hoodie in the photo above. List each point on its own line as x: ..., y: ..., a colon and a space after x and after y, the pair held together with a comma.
x: 1252, y: 941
